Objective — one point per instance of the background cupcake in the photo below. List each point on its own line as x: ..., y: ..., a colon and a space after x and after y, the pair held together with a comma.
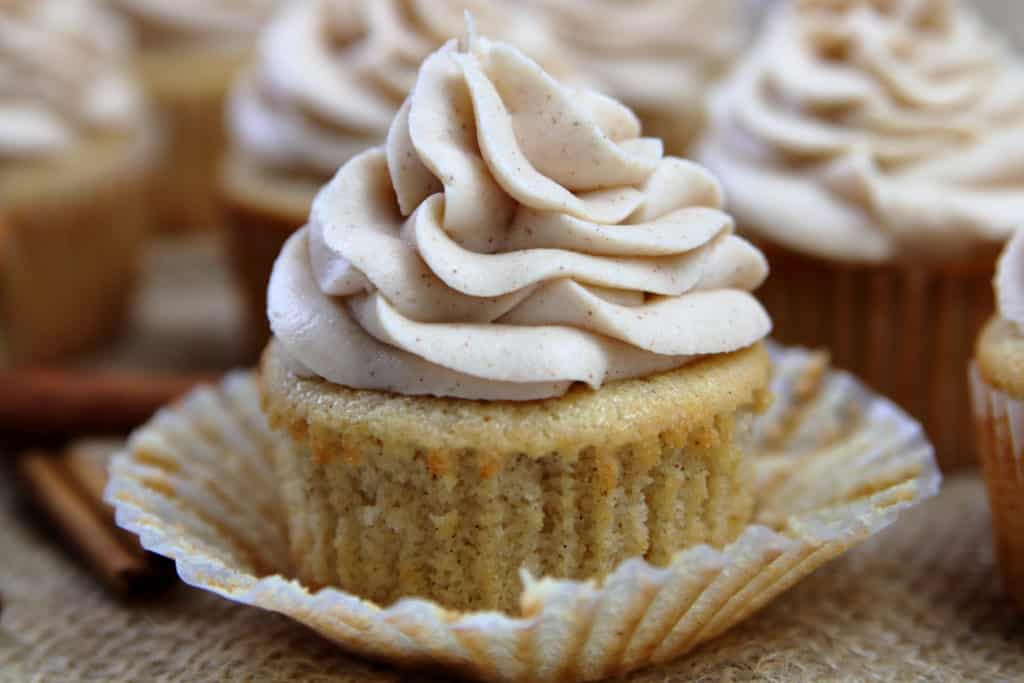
x: 875, y: 151
x: 188, y: 53
x: 997, y: 383
x: 329, y: 78
x: 76, y: 149
x: 657, y: 56
x: 435, y: 322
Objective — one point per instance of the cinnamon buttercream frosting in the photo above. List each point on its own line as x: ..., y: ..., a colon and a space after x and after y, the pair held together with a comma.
x: 512, y: 237
x: 654, y: 55
x: 331, y: 74
x: 157, y: 21
x: 62, y: 77
x: 873, y: 131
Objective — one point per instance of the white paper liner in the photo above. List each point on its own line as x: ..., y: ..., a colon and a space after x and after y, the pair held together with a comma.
x: 836, y: 465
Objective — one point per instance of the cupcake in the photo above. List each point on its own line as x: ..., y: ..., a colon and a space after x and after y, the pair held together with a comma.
x: 188, y: 53
x: 516, y: 336
x: 873, y: 150
x: 329, y: 78
x: 656, y: 56
x: 76, y: 150
x: 997, y: 385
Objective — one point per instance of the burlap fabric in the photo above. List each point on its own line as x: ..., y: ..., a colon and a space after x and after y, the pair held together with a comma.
x: 921, y: 602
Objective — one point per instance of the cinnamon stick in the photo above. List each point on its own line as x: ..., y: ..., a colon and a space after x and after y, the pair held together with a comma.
x: 115, y: 556
x: 72, y: 402
x: 86, y: 463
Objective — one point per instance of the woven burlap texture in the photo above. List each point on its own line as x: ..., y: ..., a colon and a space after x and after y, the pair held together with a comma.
x: 920, y: 602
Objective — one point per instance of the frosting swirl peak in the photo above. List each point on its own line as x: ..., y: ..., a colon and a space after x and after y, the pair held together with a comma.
x: 332, y: 74
x: 894, y: 127
x: 512, y: 237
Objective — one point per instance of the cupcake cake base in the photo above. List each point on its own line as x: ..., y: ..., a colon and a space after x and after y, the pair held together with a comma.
x: 71, y: 236
x: 835, y: 464
x: 392, y: 496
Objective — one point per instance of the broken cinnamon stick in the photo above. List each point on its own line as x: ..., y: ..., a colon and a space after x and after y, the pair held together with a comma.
x: 116, y: 557
x: 73, y: 402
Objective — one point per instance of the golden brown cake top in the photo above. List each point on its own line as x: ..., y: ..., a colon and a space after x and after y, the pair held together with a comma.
x: 874, y: 131
x: 685, y: 401
x: 63, y: 77
x: 513, y: 237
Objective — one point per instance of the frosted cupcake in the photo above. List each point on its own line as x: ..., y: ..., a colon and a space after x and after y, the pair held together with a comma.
x: 874, y: 150
x: 517, y: 335
x: 997, y: 383
x: 76, y: 150
x: 657, y: 56
x: 188, y: 54
x: 330, y: 77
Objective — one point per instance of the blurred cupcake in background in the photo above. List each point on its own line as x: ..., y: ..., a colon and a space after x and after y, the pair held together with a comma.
x: 876, y: 151
x: 77, y: 147
x: 997, y: 384
x: 656, y: 56
x: 329, y: 78
x: 188, y: 53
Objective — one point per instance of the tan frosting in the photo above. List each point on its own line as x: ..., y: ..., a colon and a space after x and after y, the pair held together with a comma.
x: 1010, y: 281
x: 652, y: 54
x: 332, y: 74
x: 62, y: 76
x: 871, y: 130
x: 196, y: 19
x: 512, y: 237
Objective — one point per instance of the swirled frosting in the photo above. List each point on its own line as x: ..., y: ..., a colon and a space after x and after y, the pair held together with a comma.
x: 1010, y: 281
x: 872, y: 131
x: 655, y: 55
x: 332, y: 74
x: 513, y: 236
x: 62, y: 76
x: 158, y: 21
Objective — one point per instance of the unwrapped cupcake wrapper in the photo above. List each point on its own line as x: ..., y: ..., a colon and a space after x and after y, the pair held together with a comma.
x: 906, y: 331
x: 835, y: 464
x: 999, y: 420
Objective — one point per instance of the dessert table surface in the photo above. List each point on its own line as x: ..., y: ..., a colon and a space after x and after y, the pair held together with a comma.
x: 921, y: 601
